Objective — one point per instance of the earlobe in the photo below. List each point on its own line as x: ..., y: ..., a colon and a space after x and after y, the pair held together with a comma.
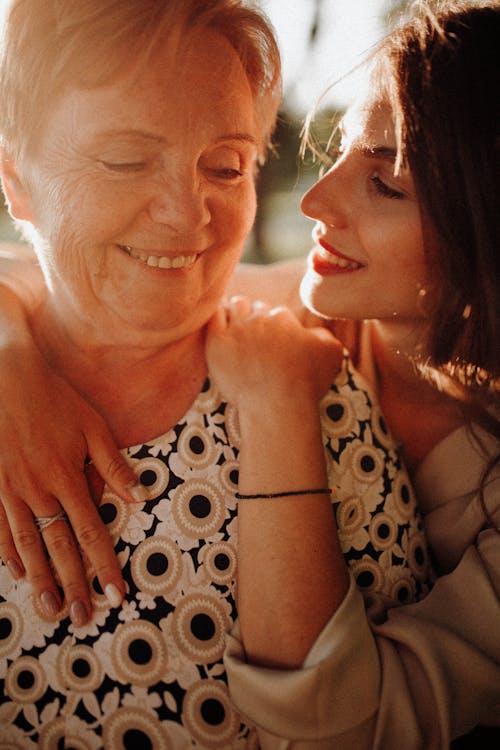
x: 17, y: 196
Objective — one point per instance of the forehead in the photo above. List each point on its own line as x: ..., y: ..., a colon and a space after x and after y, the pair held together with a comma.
x: 370, y: 121
x: 192, y: 86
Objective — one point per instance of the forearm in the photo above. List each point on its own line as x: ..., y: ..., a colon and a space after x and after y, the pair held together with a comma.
x: 292, y: 575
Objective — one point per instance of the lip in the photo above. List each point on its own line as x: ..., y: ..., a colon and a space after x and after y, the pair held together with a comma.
x: 328, y: 261
x: 161, y: 261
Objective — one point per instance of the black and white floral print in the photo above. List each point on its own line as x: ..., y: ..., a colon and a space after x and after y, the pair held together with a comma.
x: 150, y: 673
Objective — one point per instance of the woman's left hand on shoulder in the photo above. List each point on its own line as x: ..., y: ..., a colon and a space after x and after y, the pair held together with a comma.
x: 261, y: 351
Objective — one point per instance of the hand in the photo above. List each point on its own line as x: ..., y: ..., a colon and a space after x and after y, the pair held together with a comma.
x: 47, y: 434
x: 254, y: 350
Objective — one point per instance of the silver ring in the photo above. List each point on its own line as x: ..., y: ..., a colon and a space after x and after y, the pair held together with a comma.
x: 43, y: 522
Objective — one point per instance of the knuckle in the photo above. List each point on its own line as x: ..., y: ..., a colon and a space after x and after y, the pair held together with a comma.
x: 117, y: 469
x: 61, y: 544
x: 26, y: 540
x: 89, y: 535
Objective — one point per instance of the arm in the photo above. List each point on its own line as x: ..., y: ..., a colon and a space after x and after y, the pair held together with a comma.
x: 47, y: 431
x: 276, y: 371
x: 426, y: 675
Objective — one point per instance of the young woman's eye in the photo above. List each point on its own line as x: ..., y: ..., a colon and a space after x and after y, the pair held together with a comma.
x: 385, y: 190
x: 132, y: 166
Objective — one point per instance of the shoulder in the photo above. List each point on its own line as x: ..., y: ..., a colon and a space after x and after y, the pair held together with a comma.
x: 448, y: 484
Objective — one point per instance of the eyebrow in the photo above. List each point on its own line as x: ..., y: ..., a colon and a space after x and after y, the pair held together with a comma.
x: 132, y: 133
x: 379, y: 152
x: 244, y: 137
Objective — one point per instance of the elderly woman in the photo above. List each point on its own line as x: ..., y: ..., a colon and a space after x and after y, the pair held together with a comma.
x: 130, y: 139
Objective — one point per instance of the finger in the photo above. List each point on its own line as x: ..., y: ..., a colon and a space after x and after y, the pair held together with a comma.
x: 97, y: 548
x: 8, y: 551
x: 31, y: 549
x: 67, y: 562
x: 258, y: 308
x: 112, y: 466
x: 238, y: 307
x: 218, y: 322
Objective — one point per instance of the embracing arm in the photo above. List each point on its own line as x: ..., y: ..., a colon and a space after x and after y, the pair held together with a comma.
x: 275, y: 372
x: 425, y: 676
x: 46, y: 434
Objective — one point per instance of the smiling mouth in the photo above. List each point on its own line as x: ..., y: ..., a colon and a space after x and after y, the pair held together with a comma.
x: 335, y: 258
x: 159, y: 261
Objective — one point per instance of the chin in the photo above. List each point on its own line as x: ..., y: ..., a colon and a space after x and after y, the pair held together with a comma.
x: 312, y: 298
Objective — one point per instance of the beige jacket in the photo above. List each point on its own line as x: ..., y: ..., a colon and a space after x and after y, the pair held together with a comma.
x: 431, y: 671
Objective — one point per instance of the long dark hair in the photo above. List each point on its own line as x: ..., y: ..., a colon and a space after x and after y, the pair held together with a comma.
x: 441, y: 71
x: 445, y: 65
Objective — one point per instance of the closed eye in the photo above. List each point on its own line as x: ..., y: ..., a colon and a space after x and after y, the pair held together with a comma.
x: 385, y: 190
x: 124, y: 166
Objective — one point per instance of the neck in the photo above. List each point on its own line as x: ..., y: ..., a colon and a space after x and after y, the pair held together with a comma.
x: 140, y: 389
x: 418, y: 414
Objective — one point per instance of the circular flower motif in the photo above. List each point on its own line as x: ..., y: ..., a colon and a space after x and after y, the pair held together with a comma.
x: 79, y: 667
x: 196, y: 447
x: 198, y: 508
x: 368, y: 574
x: 219, y: 560
x: 367, y: 463
x: 11, y: 628
x: 156, y: 565
x: 383, y: 531
x: 380, y: 428
x: 199, y: 627
x: 63, y: 733
x: 153, y: 474
x: 418, y: 556
x: 133, y: 729
x: 139, y: 653
x: 338, y: 415
x: 115, y: 514
x: 209, y: 715
x: 229, y: 472
x: 404, y: 499
x: 25, y: 681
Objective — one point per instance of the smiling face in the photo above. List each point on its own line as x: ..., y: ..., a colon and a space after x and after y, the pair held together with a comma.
x: 142, y: 193
x: 368, y: 261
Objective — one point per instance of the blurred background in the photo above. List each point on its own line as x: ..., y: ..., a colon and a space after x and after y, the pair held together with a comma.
x: 321, y: 42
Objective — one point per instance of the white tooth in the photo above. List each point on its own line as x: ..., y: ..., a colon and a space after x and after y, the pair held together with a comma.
x: 152, y: 260
x: 164, y: 262
x: 178, y: 262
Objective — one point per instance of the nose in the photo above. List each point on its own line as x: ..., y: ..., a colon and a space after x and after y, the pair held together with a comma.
x: 180, y: 202
x: 325, y: 200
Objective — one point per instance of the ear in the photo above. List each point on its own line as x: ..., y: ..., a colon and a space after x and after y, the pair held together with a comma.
x: 16, y: 194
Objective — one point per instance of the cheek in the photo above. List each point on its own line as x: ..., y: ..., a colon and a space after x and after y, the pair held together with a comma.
x: 239, y: 211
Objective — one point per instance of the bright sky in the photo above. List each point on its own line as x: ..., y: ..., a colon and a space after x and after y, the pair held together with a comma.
x: 347, y: 30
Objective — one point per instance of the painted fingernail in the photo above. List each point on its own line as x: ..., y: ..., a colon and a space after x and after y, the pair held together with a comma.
x: 49, y: 603
x: 139, y: 492
x: 78, y: 613
x: 15, y: 569
x: 113, y: 595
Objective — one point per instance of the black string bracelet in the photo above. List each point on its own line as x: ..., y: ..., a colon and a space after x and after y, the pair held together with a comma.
x: 271, y: 495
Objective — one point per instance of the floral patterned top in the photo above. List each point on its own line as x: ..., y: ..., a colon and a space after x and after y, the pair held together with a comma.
x: 150, y: 673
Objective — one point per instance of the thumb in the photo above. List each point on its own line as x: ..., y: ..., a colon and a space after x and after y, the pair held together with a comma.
x: 113, y: 467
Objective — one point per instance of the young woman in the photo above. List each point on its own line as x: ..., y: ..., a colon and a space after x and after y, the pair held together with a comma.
x: 406, y: 248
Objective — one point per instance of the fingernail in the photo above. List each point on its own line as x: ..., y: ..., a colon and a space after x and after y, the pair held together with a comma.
x: 113, y: 594
x: 15, y: 569
x: 78, y: 613
x: 139, y: 492
x: 49, y: 603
